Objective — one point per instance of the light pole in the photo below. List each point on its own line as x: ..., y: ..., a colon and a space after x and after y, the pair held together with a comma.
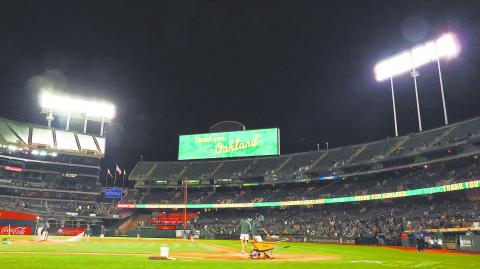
x: 394, y: 109
x: 446, y: 46
x: 414, y: 75
x: 441, y: 90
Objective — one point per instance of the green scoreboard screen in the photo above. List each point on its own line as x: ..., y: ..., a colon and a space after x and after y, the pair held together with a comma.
x: 229, y: 144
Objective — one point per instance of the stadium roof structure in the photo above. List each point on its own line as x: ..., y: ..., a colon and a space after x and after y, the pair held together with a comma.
x: 23, y: 136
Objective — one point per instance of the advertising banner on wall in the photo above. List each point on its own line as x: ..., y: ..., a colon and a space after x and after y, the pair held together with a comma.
x: 4, y: 214
x: 70, y: 231
x: 113, y: 193
x: 15, y: 230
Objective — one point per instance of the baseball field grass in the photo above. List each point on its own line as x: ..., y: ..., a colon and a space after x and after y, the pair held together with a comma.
x: 127, y: 253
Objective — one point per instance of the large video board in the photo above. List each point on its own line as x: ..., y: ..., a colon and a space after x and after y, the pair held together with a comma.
x: 259, y: 142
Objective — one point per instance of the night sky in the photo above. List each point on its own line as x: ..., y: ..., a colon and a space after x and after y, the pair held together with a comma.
x: 177, y: 67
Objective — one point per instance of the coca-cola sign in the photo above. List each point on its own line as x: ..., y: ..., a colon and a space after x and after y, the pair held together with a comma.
x: 15, y: 230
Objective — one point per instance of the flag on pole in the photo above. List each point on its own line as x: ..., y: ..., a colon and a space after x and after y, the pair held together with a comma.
x: 109, y: 173
x: 118, y: 170
x: 123, y: 178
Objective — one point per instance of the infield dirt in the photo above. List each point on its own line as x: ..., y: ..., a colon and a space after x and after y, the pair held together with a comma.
x: 219, y: 253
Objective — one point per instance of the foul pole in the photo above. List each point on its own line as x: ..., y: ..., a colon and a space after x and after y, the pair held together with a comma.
x: 185, y: 199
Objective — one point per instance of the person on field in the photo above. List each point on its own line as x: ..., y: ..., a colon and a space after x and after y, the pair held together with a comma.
x: 139, y: 230
x: 191, y: 233
x: 419, y: 235
x: 102, y: 232
x: 88, y: 232
x: 45, y: 231
x: 256, y: 227
x: 245, y: 228
x: 40, y: 227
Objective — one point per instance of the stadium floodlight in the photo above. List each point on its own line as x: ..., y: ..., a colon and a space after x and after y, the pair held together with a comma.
x: 446, y: 46
x: 70, y: 106
x: 67, y: 104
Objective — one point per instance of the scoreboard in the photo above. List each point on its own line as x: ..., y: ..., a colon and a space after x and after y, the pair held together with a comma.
x: 261, y: 142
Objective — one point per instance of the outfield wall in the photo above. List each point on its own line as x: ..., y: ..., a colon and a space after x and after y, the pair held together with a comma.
x: 15, y: 223
x: 151, y: 233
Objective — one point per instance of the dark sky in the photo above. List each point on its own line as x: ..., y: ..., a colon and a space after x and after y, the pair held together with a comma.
x: 177, y: 67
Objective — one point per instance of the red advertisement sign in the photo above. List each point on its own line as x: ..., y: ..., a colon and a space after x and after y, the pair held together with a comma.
x: 126, y: 205
x: 70, y: 231
x: 4, y: 214
x: 15, y: 230
x: 13, y: 168
x: 172, y: 218
x: 166, y: 227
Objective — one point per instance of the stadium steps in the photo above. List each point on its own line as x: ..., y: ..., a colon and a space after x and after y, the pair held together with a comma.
x: 216, y: 169
x: 125, y: 224
x: 249, y: 167
x: 442, y: 136
x: 357, y: 153
x: 124, y: 197
x: 396, y: 146
x: 320, y: 158
x: 180, y: 175
x: 149, y: 173
x: 283, y: 164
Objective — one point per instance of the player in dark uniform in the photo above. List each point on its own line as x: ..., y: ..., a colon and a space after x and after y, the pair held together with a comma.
x: 245, y: 229
x: 419, y: 235
x: 191, y: 233
x: 102, y: 232
x: 45, y: 231
x: 88, y: 232
x: 256, y: 227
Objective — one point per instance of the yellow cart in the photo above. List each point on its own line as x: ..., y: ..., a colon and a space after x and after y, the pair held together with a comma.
x: 262, y: 247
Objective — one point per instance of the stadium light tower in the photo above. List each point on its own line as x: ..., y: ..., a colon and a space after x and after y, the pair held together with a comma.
x: 446, y: 46
x: 69, y: 106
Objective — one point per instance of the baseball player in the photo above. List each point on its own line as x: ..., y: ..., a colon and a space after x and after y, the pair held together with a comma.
x: 245, y: 228
x: 40, y: 227
x: 191, y: 233
x: 88, y: 232
x: 102, y: 232
x: 44, y: 234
